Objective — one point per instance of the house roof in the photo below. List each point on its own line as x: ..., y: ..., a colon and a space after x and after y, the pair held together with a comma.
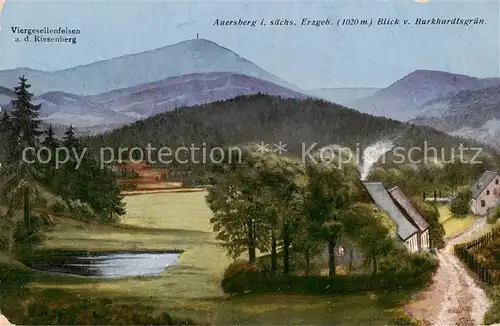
x: 478, y: 187
x: 384, y: 201
x: 405, y: 203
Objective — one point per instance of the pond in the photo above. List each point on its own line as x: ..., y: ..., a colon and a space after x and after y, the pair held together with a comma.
x: 106, y: 265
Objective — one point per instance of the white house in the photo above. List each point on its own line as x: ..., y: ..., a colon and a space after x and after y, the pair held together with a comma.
x: 406, y: 231
x: 485, y: 193
x: 414, y: 216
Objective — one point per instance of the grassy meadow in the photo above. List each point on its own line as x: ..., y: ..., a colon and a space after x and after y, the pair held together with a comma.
x: 190, y: 288
x: 454, y: 225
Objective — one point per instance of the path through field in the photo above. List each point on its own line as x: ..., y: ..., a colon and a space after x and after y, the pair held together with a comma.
x: 453, y: 298
x: 4, y: 321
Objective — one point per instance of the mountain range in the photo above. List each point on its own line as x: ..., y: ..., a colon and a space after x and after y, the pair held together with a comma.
x: 470, y: 113
x: 122, y: 106
x: 108, y: 94
x: 188, y: 57
x: 406, y: 98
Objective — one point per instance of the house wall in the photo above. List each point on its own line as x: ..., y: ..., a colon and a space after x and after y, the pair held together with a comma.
x: 425, y: 240
x: 490, y: 196
x: 419, y: 239
x: 473, y: 206
x: 412, y: 243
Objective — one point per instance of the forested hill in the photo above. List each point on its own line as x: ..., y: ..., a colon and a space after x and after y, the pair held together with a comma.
x: 263, y: 118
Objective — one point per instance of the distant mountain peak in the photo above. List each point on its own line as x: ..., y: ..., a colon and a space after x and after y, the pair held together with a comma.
x: 404, y: 99
x: 196, y: 55
x: 195, y: 42
x: 435, y: 77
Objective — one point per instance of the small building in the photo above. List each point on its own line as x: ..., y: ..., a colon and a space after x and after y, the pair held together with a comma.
x: 140, y: 175
x: 485, y: 193
x: 406, y: 231
x: 414, y: 216
x: 441, y: 200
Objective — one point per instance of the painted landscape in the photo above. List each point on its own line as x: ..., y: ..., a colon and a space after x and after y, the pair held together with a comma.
x: 186, y: 184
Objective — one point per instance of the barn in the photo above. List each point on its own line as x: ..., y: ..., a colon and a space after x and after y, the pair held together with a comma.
x: 406, y: 231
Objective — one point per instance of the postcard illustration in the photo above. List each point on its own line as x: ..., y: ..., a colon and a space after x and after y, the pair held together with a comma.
x: 249, y: 163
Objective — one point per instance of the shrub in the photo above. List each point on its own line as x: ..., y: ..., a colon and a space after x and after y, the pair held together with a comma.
x: 81, y: 210
x: 128, y: 187
x: 59, y: 207
x: 47, y: 220
x: 493, y: 215
x: 492, y: 316
x: 398, y: 270
x: 460, y: 206
x: 7, y: 229
x: 34, y: 236
x: 238, y: 277
x: 402, y: 319
x: 55, y: 309
x: 423, y: 264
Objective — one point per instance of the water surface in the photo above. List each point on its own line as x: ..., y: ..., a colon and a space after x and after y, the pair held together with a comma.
x: 109, y: 265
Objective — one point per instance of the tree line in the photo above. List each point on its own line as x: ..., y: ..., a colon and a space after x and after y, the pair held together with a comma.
x: 277, y: 204
x: 298, y: 123
x: 27, y: 185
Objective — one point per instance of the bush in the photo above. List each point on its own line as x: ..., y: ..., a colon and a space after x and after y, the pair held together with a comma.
x: 493, y: 215
x: 55, y: 309
x: 34, y: 236
x: 402, y: 319
x: 324, y: 285
x: 7, y: 229
x: 238, y: 277
x: 241, y: 278
x: 492, y: 316
x: 59, y: 207
x: 81, y: 210
x: 423, y: 264
x: 128, y: 187
x: 460, y: 206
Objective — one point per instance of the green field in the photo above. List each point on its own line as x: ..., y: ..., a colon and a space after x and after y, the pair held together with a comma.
x: 191, y: 288
x: 454, y: 225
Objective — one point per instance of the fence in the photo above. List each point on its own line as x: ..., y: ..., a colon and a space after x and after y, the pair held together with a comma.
x: 324, y: 285
x: 465, y: 252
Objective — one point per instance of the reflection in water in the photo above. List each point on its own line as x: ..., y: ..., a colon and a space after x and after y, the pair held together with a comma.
x: 108, y: 265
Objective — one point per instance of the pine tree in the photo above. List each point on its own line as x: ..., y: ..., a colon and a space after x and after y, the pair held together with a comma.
x: 68, y: 176
x: 69, y: 140
x: 5, y: 134
x: 51, y: 143
x: 21, y: 172
x: 50, y: 140
x: 5, y: 121
x: 24, y: 124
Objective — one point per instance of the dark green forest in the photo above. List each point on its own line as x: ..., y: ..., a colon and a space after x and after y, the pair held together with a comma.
x: 299, y: 124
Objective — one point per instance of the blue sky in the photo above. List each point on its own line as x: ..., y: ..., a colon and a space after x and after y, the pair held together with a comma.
x: 309, y: 57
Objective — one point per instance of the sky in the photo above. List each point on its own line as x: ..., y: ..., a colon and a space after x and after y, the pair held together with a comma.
x: 310, y: 57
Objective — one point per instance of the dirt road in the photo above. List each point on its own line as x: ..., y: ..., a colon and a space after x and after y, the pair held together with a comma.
x: 453, y: 298
x: 4, y: 321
